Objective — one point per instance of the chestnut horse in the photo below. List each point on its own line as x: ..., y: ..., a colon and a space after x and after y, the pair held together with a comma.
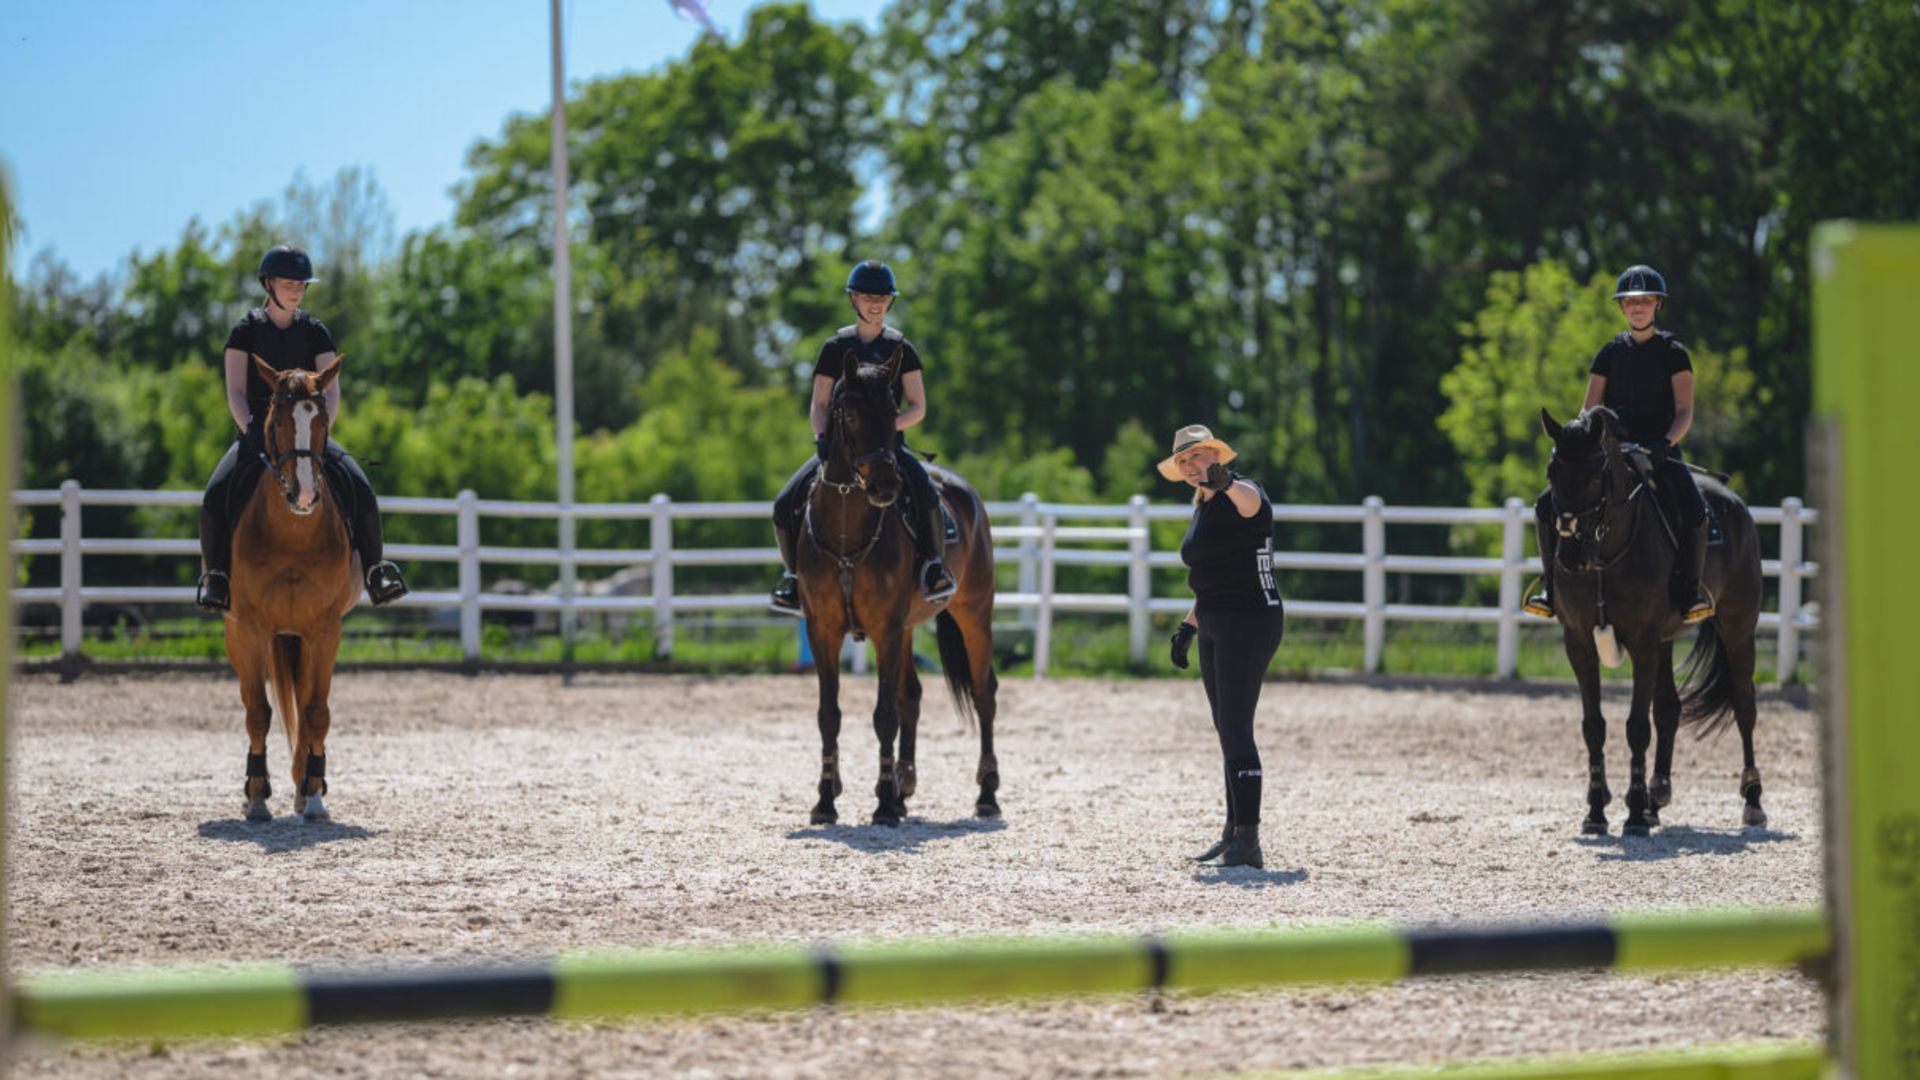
x: 294, y: 577
x: 855, y: 563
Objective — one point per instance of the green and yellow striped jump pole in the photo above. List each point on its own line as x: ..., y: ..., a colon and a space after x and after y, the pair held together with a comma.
x: 281, y: 998
x: 1866, y: 338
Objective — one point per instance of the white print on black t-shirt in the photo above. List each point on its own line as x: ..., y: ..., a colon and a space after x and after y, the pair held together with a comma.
x: 1263, y: 562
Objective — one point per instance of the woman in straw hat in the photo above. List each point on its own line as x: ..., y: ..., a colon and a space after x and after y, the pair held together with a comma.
x: 1237, y: 616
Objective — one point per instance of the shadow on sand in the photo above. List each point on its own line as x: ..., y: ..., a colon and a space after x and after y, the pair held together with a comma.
x: 284, y: 833
x: 1676, y: 841
x: 910, y: 835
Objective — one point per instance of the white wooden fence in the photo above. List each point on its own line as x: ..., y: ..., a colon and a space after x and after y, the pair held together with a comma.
x: 1028, y: 532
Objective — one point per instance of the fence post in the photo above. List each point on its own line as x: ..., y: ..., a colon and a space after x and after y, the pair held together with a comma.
x: 1373, y: 543
x: 1139, y: 580
x: 467, y: 537
x: 1043, y: 622
x: 1513, y: 549
x: 1029, y: 555
x: 1792, y: 554
x: 70, y: 603
x: 661, y: 537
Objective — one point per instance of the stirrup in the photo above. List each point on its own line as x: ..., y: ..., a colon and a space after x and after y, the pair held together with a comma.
x: 214, y: 592
x: 384, y: 583
x: 936, y: 584
x: 1703, y: 608
x: 1538, y: 602
x: 785, y: 597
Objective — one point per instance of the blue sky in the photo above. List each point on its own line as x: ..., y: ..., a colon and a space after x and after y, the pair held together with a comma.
x: 120, y: 120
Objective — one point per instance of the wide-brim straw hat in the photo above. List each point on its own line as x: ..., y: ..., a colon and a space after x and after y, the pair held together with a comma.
x: 1188, y: 438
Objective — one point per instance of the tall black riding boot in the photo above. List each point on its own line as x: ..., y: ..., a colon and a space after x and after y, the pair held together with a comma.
x: 1541, y: 603
x: 384, y: 583
x: 935, y: 582
x: 786, y: 591
x: 214, y: 592
x: 1701, y: 605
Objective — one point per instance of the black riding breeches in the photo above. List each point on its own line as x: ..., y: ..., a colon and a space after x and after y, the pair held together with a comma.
x: 238, y: 472
x: 1680, y: 492
x: 1235, y: 649
x: 1545, y: 535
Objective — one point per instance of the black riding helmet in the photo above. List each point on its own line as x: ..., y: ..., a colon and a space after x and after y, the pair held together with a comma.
x: 1640, y: 280
x: 286, y: 261
x: 872, y: 277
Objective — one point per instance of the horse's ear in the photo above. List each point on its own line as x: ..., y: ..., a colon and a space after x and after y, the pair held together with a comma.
x: 1549, y: 425
x: 267, y: 371
x: 326, y: 377
x: 893, y: 362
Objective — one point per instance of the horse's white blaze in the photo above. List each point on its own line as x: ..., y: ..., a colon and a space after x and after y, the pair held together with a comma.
x: 303, y: 414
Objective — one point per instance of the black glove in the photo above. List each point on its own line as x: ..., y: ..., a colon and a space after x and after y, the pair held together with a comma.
x: 1182, y: 641
x: 822, y: 446
x: 1218, y: 478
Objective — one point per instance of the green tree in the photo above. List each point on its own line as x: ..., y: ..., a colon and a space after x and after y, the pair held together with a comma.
x: 708, y: 192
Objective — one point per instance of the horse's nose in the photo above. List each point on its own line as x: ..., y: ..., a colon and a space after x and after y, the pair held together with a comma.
x: 303, y: 502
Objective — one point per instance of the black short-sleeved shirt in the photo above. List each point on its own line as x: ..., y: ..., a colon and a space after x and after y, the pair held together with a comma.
x: 845, y: 347
x: 295, y: 347
x: 1230, y: 558
x: 1640, y: 382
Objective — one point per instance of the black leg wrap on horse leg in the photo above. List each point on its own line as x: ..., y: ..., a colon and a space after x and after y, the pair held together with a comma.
x: 257, y: 770
x: 317, y: 770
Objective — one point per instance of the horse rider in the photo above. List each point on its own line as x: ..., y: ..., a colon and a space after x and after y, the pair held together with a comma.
x: 871, y: 291
x: 285, y: 337
x: 1237, y: 615
x: 1645, y: 375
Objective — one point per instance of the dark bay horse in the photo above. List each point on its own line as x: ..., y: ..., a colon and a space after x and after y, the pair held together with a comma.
x: 855, y: 564
x: 294, y: 577
x: 1611, y: 592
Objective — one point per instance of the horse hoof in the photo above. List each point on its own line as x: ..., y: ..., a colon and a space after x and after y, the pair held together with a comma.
x: 257, y: 811
x: 1754, y: 816
x: 1634, y: 828
x: 886, y: 817
x: 823, y: 815
x: 984, y: 808
x: 315, y: 810
x: 1591, y: 827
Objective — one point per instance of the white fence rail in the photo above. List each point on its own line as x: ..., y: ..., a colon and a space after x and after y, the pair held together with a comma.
x: 1034, y: 538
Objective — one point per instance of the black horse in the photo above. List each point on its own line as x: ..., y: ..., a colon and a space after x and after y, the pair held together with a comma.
x: 855, y: 566
x: 1613, y: 557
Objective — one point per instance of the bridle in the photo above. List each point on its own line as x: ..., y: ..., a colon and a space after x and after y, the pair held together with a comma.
x: 275, y: 462
x: 837, y: 425
x: 1590, y: 524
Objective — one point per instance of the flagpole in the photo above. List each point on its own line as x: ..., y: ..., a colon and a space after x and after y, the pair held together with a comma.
x: 562, y: 338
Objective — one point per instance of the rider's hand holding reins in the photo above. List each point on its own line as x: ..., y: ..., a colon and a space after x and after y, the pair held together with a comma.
x: 1182, y: 641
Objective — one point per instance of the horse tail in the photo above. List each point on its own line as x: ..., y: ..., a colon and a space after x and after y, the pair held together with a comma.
x: 283, y: 659
x: 953, y: 659
x: 1710, y: 703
